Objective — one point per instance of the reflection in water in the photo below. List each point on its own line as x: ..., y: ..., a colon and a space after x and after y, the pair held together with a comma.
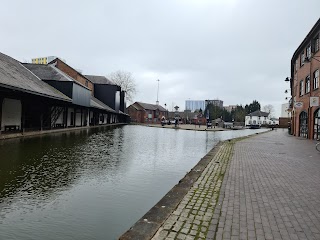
x: 92, y: 184
x: 40, y: 167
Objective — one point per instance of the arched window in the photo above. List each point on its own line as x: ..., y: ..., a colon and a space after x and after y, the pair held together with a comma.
x: 303, y: 119
x: 316, y: 125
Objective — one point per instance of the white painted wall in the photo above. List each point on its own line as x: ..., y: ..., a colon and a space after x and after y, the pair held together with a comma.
x: 78, y: 118
x: 85, y: 118
x: 11, y: 112
x: 60, y: 119
x: 255, y: 120
x: 105, y: 118
x: 90, y: 116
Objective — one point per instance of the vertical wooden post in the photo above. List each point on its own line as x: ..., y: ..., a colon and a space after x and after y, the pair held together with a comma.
x: 23, y: 116
x: 1, y: 101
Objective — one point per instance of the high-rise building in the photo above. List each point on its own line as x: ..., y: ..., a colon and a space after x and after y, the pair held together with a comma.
x: 44, y: 60
x: 193, y: 105
x: 216, y: 102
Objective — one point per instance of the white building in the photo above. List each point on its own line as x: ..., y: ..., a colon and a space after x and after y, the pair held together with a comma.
x: 258, y: 118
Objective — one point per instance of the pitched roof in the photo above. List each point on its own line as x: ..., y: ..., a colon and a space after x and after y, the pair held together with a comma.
x: 47, y: 72
x: 50, y: 73
x: 258, y: 113
x: 15, y: 76
x: 54, y: 62
x: 96, y: 103
x: 148, y: 106
x: 99, y: 79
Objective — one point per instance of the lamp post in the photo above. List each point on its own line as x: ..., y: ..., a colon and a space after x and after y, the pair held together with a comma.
x: 157, y: 102
x: 291, y: 121
x: 165, y: 107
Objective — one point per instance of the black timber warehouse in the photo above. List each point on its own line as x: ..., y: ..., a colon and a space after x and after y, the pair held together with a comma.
x: 39, y: 97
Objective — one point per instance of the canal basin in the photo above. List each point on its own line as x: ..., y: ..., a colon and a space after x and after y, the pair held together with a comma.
x: 93, y: 184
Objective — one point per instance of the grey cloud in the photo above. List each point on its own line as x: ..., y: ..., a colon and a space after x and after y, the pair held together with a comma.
x: 236, y: 50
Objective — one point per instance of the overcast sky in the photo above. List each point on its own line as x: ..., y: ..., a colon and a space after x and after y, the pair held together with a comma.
x: 233, y: 50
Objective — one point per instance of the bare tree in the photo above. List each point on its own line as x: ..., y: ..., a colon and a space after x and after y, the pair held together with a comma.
x: 269, y: 108
x: 126, y: 81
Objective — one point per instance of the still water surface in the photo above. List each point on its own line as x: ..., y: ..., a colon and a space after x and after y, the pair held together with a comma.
x: 93, y: 184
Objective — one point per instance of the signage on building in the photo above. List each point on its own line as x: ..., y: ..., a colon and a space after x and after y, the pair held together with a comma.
x: 298, y: 104
x: 314, y: 101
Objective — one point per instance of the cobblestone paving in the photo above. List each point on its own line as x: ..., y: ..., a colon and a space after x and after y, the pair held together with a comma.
x: 192, y: 218
x: 271, y: 190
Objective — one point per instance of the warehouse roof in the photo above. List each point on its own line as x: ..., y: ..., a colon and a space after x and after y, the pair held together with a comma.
x: 96, y: 103
x: 99, y: 79
x: 147, y: 106
x: 14, y: 75
x: 50, y: 73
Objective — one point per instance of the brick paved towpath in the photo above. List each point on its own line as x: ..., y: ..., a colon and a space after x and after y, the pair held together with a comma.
x: 262, y: 187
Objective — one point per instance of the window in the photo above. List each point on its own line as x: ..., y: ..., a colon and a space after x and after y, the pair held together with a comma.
x: 316, y: 79
x: 308, y: 52
x: 302, y: 59
x: 307, y: 84
x: 296, y: 65
x: 86, y: 83
x: 301, y: 88
x: 316, y: 44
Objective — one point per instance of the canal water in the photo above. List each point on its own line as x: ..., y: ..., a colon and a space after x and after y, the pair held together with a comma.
x: 93, y: 184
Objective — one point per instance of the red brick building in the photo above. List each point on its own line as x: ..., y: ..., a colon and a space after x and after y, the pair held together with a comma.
x: 146, y: 113
x: 304, y: 83
x: 73, y: 73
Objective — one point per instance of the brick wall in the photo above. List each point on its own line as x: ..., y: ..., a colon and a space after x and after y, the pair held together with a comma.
x: 284, y: 122
x: 300, y: 73
x: 136, y: 116
x: 75, y: 75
